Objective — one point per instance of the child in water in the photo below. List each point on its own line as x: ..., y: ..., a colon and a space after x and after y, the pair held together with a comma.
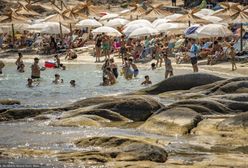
x: 30, y: 82
x: 153, y: 66
x: 147, y: 81
x: 73, y: 83
x: 233, y: 61
x: 57, y: 79
x: 134, y: 67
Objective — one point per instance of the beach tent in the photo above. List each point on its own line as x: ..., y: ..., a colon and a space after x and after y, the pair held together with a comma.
x: 144, y: 31
x: 107, y: 30
x: 118, y: 22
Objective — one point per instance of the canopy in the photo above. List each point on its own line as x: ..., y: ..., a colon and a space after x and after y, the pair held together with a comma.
x: 107, y: 30
x: 144, y: 31
x: 89, y: 23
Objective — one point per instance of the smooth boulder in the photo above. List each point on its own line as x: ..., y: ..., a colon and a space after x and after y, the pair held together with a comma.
x: 172, y: 121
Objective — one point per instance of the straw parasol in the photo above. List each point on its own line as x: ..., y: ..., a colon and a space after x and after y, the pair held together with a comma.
x: 23, y: 10
x: 240, y: 17
x: 12, y: 18
x: 87, y: 8
x: 189, y: 17
x: 155, y: 13
x: 229, y: 9
x: 134, y: 13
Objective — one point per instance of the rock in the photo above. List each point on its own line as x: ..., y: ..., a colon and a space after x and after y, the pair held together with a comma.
x: 204, y: 106
x: 235, y: 124
x: 181, y: 82
x: 134, y: 107
x: 104, y: 113
x: 125, y: 149
x: 173, y: 121
x: 14, y: 114
x: 76, y: 122
x: 9, y: 102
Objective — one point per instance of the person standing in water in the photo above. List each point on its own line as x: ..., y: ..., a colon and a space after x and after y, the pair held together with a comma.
x: 147, y: 81
x: 168, y: 67
x: 58, y: 64
x: 193, y: 55
x: 2, y: 65
x: 134, y: 67
x: 106, y: 46
x: 19, y: 61
x: 35, y: 69
x: 114, y: 67
x: 98, y: 46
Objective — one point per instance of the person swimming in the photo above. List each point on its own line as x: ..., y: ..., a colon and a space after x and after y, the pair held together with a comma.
x: 147, y: 81
x: 73, y: 83
x: 57, y: 79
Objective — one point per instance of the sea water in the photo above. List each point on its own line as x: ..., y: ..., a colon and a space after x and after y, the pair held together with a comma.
x: 87, y: 76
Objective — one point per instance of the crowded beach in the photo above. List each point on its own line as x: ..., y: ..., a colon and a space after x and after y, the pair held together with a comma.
x: 123, y: 41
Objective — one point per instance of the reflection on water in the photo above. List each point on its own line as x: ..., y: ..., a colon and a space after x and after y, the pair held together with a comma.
x: 88, y: 77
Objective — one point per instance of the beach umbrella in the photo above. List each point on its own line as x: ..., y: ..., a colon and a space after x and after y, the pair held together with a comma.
x: 190, y: 32
x: 23, y: 10
x: 12, y: 18
x: 88, y: 23
x: 173, y: 16
x: 107, y: 30
x: 54, y: 28
x: 164, y: 28
x: 205, y: 12
x: 118, y: 22
x: 129, y: 29
x: 213, y: 30
x: 212, y: 19
x: 240, y: 17
x: 144, y: 22
x: 190, y: 18
x: 87, y: 8
x: 155, y: 12
x: 229, y: 9
x: 157, y: 22
x: 134, y: 13
x: 109, y: 16
x: 144, y: 31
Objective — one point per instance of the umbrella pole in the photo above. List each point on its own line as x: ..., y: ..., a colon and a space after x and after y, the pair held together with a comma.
x: 13, y: 34
x: 241, y: 37
x: 60, y: 28
x: 70, y: 29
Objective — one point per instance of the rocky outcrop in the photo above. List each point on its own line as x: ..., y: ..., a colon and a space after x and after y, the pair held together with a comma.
x: 181, y: 82
x: 9, y: 102
x: 173, y: 121
x: 122, y: 149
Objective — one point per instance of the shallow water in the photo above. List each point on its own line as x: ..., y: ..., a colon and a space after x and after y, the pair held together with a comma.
x: 88, y: 77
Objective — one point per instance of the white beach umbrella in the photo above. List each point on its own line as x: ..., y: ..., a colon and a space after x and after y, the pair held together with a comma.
x: 118, y: 22
x: 88, y: 23
x: 109, y: 16
x: 20, y: 27
x: 144, y: 22
x: 213, y: 30
x: 36, y: 27
x: 164, y: 28
x: 107, y: 30
x: 213, y: 19
x: 205, y: 12
x: 174, y: 16
x: 128, y: 30
x: 157, y: 22
x: 144, y: 31
x: 53, y: 28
